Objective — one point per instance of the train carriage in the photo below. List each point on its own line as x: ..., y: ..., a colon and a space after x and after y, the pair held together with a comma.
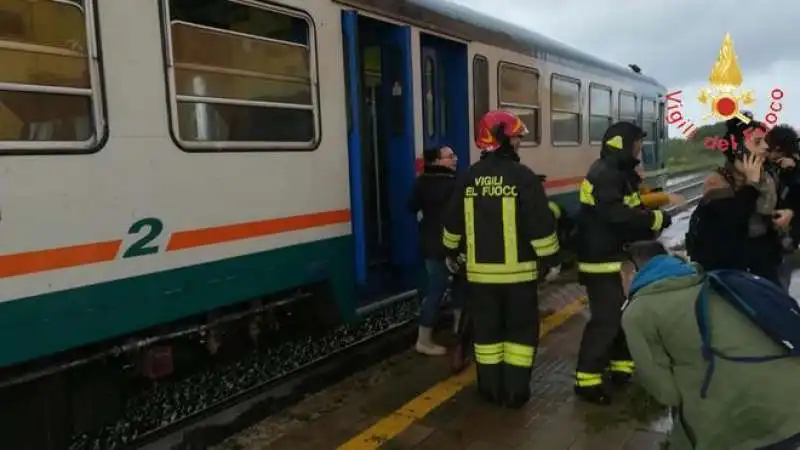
x: 167, y: 162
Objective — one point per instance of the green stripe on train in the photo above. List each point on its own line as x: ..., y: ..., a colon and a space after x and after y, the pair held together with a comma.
x: 46, y: 324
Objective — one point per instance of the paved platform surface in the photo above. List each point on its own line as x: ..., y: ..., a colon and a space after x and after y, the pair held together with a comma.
x: 412, y: 402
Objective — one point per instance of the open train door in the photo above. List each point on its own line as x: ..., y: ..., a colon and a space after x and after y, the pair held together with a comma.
x: 381, y: 154
x: 352, y: 69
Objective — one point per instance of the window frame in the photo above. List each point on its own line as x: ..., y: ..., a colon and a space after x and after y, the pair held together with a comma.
x: 654, y: 101
x: 476, y: 117
x: 95, y: 93
x: 610, y: 116
x: 636, y: 105
x: 577, y: 143
x: 243, y: 146
x: 537, y: 109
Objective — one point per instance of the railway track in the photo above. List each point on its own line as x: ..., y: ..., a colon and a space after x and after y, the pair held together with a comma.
x: 205, y: 408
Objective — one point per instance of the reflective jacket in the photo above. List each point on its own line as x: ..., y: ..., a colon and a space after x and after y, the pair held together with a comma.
x: 499, y: 216
x: 611, y: 212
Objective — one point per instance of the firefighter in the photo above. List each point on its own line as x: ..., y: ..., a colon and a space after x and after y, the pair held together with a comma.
x: 500, y: 219
x: 611, y: 214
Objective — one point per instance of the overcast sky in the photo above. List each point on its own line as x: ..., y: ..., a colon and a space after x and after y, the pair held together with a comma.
x: 677, y: 41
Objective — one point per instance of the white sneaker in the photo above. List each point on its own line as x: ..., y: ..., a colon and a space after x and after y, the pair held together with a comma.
x: 430, y: 349
x: 425, y: 343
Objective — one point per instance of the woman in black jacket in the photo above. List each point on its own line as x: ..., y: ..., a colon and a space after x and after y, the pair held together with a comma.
x: 432, y: 192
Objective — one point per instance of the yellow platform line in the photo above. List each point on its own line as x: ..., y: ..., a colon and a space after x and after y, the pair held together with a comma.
x: 396, y: 422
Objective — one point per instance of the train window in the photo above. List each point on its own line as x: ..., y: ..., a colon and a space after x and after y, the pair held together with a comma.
x: 565, y: 110
x: 49, y: 79
x: 650, y: 119
x: 430, y: 97
x: 627, y: 107
x: 518, y: 92
x: 480, y: 89
x: 242, y: 77
x: 600, y: 116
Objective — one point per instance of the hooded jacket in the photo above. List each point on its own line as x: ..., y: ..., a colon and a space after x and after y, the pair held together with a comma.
x: 431, y: 195
x: 749, y: 405
x: 611, y: 212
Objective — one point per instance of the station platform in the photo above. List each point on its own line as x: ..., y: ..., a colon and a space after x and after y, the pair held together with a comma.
x: 410, y: 401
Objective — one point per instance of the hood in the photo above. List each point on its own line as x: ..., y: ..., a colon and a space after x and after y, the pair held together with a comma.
x: 618, y: 145
x: 660, y: 268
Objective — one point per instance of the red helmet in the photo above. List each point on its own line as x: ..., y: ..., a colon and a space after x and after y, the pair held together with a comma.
x: 497, y: 125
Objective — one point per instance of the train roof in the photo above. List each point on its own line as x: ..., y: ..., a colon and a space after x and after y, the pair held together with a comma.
x: 461, y: 21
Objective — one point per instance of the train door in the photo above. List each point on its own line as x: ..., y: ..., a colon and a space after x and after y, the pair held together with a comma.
x: 445, y: 95
x: 381, y: 154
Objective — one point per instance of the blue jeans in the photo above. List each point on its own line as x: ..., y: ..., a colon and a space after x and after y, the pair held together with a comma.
x: 438, y: 281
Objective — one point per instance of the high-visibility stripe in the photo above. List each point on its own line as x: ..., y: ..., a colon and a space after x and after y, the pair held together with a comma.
x: 489, y: 354
x: 586, y: 196
x: 518, y: 354
x: 546, y: 246
x: 469, y: 229
x: 625, y: 366
x: 450, y: 240
x: 501, y: 278
x: 555, y: 209
x: 584, y: 379
x: 586, y: 193
x: 606, y: 267
x: 658, y: 220
x: 509, y: 271
x: 632, y: 200
x: 510, y: 230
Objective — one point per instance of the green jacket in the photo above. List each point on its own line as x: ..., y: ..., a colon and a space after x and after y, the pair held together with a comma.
x: 749, y: 405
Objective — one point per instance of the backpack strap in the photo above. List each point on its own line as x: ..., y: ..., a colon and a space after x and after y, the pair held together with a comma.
x: 702, y: 316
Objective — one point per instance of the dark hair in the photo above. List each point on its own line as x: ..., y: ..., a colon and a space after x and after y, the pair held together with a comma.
x: 432, y: 154
x: 640, y: 252
x: 784, y: 139
x: 735, y: 132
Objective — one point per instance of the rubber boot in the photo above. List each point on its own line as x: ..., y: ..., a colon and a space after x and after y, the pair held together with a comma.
x: 425, y: 344
x: 594, y: 394
x: 456, y: 320
x: 620, y: 379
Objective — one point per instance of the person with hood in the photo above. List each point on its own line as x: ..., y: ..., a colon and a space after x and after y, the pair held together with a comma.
x: 499, y: 218
x: 748, y: 405
x: 611, y: 214
x: 736, y: 222
x: 431, y: 194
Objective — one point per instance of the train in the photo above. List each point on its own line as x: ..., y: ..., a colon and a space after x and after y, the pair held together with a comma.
x: 167, y: 163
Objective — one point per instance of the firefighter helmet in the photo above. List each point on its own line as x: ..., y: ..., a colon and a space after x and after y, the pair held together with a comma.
x: 497, y: 126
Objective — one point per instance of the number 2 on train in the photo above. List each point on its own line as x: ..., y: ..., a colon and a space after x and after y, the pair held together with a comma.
x: 152, y: 228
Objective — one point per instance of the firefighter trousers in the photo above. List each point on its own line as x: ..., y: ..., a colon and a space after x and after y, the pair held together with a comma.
x: 603, y: 345
x: 506, y: 335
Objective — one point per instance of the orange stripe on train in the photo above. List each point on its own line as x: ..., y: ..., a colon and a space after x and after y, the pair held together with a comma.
x: 24, y: 263
x: 216, y: 235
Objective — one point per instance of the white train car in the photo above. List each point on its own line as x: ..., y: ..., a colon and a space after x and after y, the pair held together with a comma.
x: 167, y: 159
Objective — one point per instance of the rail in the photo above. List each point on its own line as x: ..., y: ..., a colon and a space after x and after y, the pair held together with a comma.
x: 691, y: 187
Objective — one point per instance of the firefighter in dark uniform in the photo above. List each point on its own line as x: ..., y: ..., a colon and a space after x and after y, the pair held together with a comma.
x: 500, y: 219
x: 611, y: 214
